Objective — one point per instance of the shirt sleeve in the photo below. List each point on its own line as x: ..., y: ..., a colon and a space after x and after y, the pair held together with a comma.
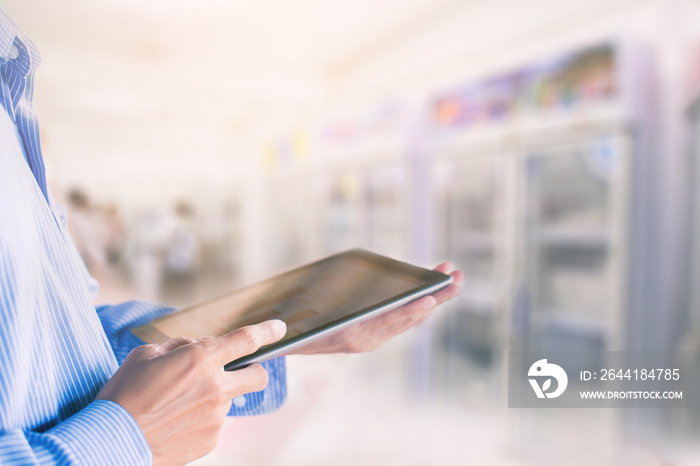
x: 101, y: 433
x: 117, y: 321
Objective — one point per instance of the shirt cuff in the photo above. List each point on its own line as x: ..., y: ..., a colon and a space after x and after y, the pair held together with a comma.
x: 271, y: 398
x: 104, y: 433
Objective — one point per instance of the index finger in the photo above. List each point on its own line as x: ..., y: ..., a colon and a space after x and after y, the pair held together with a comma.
x: 247, y: 340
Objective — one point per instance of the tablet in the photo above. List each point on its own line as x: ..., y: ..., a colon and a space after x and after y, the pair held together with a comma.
x: 315, y: 301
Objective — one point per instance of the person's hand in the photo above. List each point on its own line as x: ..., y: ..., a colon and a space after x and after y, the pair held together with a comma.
x: 179, y: 393
x: 372, y: 333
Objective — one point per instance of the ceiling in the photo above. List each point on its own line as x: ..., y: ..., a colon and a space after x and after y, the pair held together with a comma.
x: 126, y: 84
x: 128, y: 57
x: 261, y: 35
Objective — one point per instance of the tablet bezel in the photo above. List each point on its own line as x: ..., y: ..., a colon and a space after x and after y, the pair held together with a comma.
x: 431, y: 281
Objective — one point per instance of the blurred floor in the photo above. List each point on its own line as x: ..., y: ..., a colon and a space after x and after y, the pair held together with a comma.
x: 348, y: 410
x: 363, y: 409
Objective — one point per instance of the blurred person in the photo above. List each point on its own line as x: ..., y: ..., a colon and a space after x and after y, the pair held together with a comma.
x: 75, y: 385
x: 183, y: 251
x: 183, y: 254
x: 88, y: 231
x: 148, y: 233
x: 228, y: 253
x: 114, y: 226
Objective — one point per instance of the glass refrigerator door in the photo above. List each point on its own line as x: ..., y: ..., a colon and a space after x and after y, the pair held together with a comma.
x: 286, y: 220
x: 385, y: 200
x: 365, y: 207
x: 573, y: 236
x: 338, y: 203
x: 691, y: 341
x: 470, y: 233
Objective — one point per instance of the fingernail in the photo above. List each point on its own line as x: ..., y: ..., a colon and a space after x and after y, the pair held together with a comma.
x: 280, y: 326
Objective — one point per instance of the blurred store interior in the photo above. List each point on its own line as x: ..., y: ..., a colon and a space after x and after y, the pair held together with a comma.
x: 547, y: 148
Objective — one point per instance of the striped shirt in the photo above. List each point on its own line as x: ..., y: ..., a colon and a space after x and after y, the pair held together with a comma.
x: 56, y: 349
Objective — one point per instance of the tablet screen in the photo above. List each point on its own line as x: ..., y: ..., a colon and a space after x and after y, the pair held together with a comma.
x: 306, y: 299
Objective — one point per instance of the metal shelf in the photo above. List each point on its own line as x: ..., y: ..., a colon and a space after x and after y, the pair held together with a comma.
x: 575, y: 238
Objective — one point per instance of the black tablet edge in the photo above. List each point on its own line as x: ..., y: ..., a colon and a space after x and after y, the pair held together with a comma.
x: 242, y: 362
x: 433, y: 278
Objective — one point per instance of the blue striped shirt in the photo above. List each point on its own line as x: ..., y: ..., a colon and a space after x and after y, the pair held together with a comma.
x: 57, y: 350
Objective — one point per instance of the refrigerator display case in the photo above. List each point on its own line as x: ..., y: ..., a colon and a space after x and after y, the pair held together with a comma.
x: 471, y: 205
x: 471, y: 208
x: 365, y: 205
x: 554, y: 163
x: 340, y: 208
x: 365, y: 193
x: 280, y: 212
x: 573, y: 230
x: 385, y: 198
x: 689, y: 420
x: 363, y: 183
x: 288, y: 225
x: 573, y: 139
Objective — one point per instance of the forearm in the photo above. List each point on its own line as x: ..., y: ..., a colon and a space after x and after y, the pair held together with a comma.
x: 101, y: 433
